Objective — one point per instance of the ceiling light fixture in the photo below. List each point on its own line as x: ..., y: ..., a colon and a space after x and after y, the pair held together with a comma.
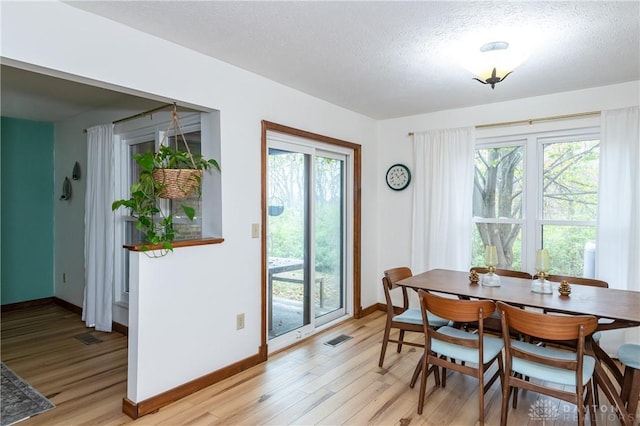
x: 494, y: 62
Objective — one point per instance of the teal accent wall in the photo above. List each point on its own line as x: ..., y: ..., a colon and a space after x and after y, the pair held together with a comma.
x: 26, y: 221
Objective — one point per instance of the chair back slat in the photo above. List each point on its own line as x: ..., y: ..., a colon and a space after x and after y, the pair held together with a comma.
x: 391, y: 276
x: 565, y: 364
x: 547, y: 326
x: 458, y: 310
x: 469, y: 343
x: 503, y: 272
x: 396, y: 274
x: 578, y: 280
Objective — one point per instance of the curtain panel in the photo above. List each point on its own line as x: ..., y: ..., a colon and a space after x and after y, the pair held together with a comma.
x: 618, y: 234
x: 442, y: 199
x: 99, y: 238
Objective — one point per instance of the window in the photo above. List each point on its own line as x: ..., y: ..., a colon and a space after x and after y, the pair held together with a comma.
x: 537, y: 191
x: 201, y: 132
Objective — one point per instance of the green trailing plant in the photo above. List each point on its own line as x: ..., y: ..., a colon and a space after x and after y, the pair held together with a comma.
x: 169, y: 158
x: 156, y: 226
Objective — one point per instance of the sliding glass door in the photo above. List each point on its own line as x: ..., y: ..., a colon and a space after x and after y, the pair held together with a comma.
x: 305, y: 239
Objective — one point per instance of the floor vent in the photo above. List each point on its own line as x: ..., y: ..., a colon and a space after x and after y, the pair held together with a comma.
x: 338, y: 340
x: 88, y: 338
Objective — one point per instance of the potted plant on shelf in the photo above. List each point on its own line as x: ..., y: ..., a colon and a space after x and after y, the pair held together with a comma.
x: 168, y: 173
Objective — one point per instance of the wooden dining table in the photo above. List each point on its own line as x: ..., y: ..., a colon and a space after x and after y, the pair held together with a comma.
x: 620, y: 307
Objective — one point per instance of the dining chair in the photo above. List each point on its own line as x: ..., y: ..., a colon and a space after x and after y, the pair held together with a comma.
x: 595, y: 336
x: 533, y: 367
x: 401, y: 318
x: 459, y: 350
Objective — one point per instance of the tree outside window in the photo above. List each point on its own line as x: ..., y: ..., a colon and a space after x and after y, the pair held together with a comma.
x: 552, y: 195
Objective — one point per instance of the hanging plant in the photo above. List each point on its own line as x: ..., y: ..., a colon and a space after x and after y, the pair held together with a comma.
x: 168, y: 173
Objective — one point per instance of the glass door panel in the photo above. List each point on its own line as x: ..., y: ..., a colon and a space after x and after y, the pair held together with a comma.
x: 329, y: 239
x: 287, y: 235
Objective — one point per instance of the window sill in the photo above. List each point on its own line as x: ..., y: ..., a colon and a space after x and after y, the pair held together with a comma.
x: 176, y: 244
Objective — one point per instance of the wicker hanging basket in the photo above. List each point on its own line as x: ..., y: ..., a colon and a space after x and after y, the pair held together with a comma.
x: 177, y: 183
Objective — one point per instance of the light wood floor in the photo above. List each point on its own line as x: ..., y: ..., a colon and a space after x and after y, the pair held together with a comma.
x: 311, y: 383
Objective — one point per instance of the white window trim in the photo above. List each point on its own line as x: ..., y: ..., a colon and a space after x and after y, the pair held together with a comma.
x: 533, y: 143
x: 125, y: 135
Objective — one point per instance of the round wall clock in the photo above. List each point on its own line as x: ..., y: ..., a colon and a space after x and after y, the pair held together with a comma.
x: 398, y: 177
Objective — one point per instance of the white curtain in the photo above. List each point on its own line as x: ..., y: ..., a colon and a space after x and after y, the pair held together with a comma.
x: 443, y: 179
x: 618, y: 239
x: 99, y: 229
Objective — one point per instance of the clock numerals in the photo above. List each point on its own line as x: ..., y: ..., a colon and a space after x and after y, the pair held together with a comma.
x: 398, y: 177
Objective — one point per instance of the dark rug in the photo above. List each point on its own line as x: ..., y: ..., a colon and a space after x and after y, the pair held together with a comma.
x: 18, y: 400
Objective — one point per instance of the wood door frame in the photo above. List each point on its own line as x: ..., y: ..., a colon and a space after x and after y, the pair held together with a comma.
x: 268, y: 126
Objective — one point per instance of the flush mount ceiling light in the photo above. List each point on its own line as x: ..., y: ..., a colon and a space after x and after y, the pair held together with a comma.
x: 494, y: 62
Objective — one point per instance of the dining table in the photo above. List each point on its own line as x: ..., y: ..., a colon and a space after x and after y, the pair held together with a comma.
x: 620, y: 308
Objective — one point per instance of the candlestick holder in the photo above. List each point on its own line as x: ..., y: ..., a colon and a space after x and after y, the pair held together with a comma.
x: 490, y: 279
x: 541, y: 285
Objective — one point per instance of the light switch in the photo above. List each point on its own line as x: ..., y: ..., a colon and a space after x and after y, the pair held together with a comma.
x: 255, y: 230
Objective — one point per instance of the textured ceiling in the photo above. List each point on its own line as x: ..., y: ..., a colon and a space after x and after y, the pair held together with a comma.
x: 389, y: 59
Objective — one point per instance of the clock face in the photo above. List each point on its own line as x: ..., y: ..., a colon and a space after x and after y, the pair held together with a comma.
x: 398, y: 177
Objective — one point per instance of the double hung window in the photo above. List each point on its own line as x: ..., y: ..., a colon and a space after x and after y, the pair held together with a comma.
x: 537, y: 191
x: 201, y: 132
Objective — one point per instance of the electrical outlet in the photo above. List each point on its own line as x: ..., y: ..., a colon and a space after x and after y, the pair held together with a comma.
x: 255, y: 230
x: 64, y: 277
x: 239, y: 321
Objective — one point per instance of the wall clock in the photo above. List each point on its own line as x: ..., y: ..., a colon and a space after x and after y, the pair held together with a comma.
x: 398, y: 177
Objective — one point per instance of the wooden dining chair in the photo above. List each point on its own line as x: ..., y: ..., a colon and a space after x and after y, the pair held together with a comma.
x: 595, y: 336
x: 533, y: 367
x: 401, y: 318
x: 455, y: 349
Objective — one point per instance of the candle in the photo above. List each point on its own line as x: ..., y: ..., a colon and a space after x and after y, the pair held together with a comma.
x: 542, y: 260
x: 490, y: 256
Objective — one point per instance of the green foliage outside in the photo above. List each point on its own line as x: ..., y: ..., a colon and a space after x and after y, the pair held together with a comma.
x: 569, y: 194
x: 286, y: 232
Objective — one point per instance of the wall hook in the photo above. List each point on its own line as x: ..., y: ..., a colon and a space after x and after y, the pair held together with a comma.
x: 66, y: 189
x: 76, y: 172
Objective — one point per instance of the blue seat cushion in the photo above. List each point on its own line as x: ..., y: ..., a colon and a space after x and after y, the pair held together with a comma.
x: 492, y: 346
x: 548, y: 373
x: 629, y: 355
x: 414, y: 316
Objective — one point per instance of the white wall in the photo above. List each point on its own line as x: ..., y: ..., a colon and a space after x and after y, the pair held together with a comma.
x: 189, y: 322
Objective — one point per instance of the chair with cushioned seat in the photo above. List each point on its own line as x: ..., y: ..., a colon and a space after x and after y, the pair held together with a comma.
x: 629, y: 356
x: 597, y: 335
x: 401, y: 318
x: 525, y: 362
x: 446, y: 346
